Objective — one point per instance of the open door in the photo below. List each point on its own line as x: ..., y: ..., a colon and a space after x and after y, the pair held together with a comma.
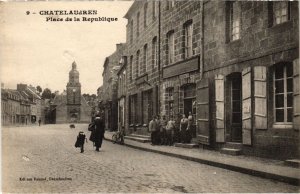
x: 246, y: 112
x: 220, y: 124
x: 296, y: 91
x: 260, y: 97
x: 203, y: 111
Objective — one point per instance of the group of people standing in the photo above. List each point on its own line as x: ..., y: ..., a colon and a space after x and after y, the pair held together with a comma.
x: 168, y: 132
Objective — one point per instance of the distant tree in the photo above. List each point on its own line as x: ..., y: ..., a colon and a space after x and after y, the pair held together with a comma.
x: 94, y: 96
x: 46, y: 93
x: 39, y: 89
x: 53, y: 95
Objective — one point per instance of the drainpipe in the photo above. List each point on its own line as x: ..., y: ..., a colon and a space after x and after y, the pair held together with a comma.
x: 159, y: 65
x: 202, y: 40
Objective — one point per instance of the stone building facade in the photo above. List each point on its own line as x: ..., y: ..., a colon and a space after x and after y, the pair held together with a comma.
x: 232, y: 65
x: 249, y: 93
x: 143, y: 64
x: 109, y: 97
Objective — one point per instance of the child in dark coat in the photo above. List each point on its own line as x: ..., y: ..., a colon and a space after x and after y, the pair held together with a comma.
x: 80, y: 141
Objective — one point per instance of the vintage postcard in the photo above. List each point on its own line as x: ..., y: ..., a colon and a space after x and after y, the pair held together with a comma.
x: 150, y: 96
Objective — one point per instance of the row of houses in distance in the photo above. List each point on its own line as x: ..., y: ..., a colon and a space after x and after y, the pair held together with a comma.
x: 233, y: 64
x: 22, y: 106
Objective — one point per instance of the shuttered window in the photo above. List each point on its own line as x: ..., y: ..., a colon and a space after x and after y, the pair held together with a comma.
x: 188, y: 35
x: 170, y: 42
x: 234, y: 10
x: 283, y: 93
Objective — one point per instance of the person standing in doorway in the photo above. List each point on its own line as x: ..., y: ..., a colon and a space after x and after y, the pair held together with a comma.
x: 40, y: 121
x: 183, y: 128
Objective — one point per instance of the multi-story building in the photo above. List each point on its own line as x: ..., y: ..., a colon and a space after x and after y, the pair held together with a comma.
x: 10, y: 107
x: 249, y: 94
x: 122, y: 94
x: 109, y: 96
x: 143, y: 64
x: 180, y: 58
x: 232, y: 65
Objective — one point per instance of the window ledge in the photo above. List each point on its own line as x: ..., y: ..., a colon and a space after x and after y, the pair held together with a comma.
x: 282, y: 126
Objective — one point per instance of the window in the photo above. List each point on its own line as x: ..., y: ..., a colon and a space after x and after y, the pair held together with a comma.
x: 131, y: 67
x: 133, y: 119
x: 145, y: 14
x: 147, y: 106
x: 170, y: 102
x: 234, y: 18
x: 138, y: 24
x: 137, y: 63
x: 145, y: 56
x: 170, y: 47
x: 170, y: 4
x: 131, y: 31
x: 280, y: 12
x: 283, y: 93
x: 154, y: 7
x: 188, y: 39
x: 154, y: 52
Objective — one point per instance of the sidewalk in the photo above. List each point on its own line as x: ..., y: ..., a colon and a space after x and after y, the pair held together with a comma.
x: 266, y: 168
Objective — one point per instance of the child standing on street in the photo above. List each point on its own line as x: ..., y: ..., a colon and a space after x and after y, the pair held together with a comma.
x: 80, y: 141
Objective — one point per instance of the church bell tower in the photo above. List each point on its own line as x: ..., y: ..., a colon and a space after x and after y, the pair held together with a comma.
x: 73, y: 94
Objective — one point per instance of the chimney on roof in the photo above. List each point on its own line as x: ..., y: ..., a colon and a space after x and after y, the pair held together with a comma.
x: 21, y: 87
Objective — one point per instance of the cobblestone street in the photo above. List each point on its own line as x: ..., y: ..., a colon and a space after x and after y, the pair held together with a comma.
x: 48, y: 151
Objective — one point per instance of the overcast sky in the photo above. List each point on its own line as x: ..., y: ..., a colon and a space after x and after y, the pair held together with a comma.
x: 37, y: 52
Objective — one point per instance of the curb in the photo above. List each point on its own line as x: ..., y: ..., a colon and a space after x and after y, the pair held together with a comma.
x: 277, y: 177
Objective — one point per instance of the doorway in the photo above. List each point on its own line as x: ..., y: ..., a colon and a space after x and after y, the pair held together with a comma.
x: 234, y: 108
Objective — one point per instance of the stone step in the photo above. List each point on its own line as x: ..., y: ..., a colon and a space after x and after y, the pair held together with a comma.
x: 293, y: 163
x: 186, y: 145
x: 233, y: 145
x: 231, y: 151
x: 140, y: 136
x: 138, y: 139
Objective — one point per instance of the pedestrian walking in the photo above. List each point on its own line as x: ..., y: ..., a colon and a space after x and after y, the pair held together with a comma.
x: 183, y: 129
x: 157, y: 133
x: 152, y: 129
x: 163, y: 124
x: 170, y: 128
x: 40, y: 121
x: 80, y: 141
x: 97, y: 133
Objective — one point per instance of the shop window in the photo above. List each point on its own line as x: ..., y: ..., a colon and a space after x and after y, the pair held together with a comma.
x: 283, y: 93
x: 170, y: 47
x: 170, y: 102
x: 188, y: 39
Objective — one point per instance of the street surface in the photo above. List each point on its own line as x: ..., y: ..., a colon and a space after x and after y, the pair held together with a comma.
x: 33, y: 156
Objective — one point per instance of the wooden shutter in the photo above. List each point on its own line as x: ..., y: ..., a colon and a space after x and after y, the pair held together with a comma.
x: 260, y: 97
x: 296, y: 91
x: 203, y: 111
x: 219, y: 91
x: 246, y: 116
